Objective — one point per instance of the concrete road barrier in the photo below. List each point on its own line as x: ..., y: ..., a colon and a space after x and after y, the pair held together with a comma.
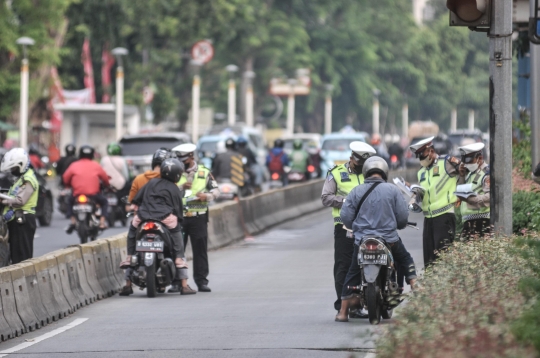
x: 25, y: 306
x: 52, y: 295
x: 117, y: 246
x: 70, y: 294
x: 104, y: 269
x: 9, y: 308
x: 91, y: 273
x: 78, y: 282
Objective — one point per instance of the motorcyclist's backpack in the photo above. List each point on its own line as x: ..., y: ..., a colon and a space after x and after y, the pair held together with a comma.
x: 276, y: 165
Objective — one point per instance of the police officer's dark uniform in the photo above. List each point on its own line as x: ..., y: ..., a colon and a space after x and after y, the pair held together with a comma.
x: 20, y: 208
x: 204, y: 189
x: 340, y: 180
x: 475, y: 209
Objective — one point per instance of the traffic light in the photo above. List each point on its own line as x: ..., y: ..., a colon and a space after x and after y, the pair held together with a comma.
x: 475, y: 14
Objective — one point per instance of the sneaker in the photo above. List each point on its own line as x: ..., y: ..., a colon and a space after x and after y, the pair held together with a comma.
x: 70, y: 229
x: 204, y: 288
x: 126, y: 291
x: 360, y: 313
x: 187, y: 291
x: 174, y: 289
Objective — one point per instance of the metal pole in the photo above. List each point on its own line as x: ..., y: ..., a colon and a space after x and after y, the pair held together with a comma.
x: 119, y: 118
x: 500, y: 98
x: 249, y: 105
x: 535, y: 98
x: 23, y: 120
x: 375, y: 114
x: 232, y: 102
x: 453, y: 120
x: 405, y: 120
x: 328, y: 114
x: 290, y: 108
x: 471, y: 119
x: 195, y: 104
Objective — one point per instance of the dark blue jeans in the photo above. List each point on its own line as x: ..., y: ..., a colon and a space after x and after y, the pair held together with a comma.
x: 402, y: 260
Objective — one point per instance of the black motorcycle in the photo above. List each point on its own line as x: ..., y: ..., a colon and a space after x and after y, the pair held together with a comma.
x: 63, y: 199
x: 152, y: 266
x: 87, y: 213
x: 117, y: 211
x: 379, y: 291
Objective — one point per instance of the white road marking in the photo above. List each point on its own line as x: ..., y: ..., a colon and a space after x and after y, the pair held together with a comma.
x: 53, y: 333
x: 370, y: 355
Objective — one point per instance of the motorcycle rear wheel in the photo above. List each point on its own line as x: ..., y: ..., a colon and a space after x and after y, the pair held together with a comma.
x: 82, y: 230
x: 151, y: 289
x: 373, y: 303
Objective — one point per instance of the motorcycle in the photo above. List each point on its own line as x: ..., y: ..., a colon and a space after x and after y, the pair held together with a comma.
x: 395, y: 163
x: 379, y: 291
x: 87, y: 213
x: 296, y: 176
x: 63, y: 199
x: 152, y: 267
x: 227, y: 190
x: 116, y: 212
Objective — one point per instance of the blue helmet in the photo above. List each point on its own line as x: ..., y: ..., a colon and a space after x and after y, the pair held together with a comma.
x: 242, y: 141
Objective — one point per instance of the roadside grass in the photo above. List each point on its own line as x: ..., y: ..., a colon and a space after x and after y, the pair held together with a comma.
x: 476, y: 302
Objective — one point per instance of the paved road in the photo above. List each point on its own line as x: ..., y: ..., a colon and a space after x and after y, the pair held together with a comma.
x: 272, y: 296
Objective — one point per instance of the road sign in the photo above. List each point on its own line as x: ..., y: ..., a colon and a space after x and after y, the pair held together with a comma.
x: 202, y: 51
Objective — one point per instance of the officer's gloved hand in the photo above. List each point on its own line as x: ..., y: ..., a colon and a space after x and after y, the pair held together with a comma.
x: 9, y: 215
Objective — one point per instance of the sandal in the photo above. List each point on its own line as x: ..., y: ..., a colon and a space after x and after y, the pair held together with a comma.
x: 341, y: 320
x: 180, y: 263
x: 126, y: 263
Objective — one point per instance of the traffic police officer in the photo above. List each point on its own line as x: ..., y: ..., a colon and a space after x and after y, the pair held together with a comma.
x: 341, y: 179
x: 20, y: 209
x: 204, y: 189
x: 475, y: 208
x: 435, y: 197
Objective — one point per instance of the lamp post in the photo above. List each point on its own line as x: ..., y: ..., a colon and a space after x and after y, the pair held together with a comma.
x: 290, y: 106
x: 471, y: 119
x: 118, y: 52
x: 23, y: 116
x: 249, y: 76
x: 328, y: 109
x: 195, y: 100
x: 376, y: 93
x: 232, y: 69
x: 453, y: 120
x: 405, y: 118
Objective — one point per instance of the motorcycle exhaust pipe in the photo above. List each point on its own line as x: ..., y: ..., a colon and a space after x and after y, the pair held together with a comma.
x: 168, y: 269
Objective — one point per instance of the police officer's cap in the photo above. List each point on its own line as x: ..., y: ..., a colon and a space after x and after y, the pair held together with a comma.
x: 362, y: 149
x: 422, y: 145
x: 472, y: 148
x: 184, y: 149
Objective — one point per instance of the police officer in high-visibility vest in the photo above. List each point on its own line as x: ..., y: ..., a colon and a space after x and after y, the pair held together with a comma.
x: 204, y: 189
x: 341, y: 179
x: 20, y: 208
x: 474, y: 208
x: 435, y: 197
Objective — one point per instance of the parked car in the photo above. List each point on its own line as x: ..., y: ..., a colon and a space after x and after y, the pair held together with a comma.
x: 463, y: 137
x: 139, y: 148
x: 335, y: 148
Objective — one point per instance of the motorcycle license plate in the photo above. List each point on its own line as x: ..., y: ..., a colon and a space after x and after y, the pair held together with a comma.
x: 82, y: 208
x: 112, y: 200
x: 377, y: 259
x: 146, y: 246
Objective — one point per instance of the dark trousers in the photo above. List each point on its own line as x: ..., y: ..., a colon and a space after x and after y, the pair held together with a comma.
x: 343, y: 254
x: 98, y: 198
x: 402, y: 258
x: 196, y: 228
x: 476, y: 227
x: 21, y: 238
x: 438, y: 235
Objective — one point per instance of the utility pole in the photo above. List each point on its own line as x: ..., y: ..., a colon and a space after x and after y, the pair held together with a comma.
x: 328, y: 109
x: 453, y: 120
x: 405, y: 120
x: 290, y: 107
x: 375, y: 111
x: 535, y: 96
x: 500, y: 99
x: 471, y: 119
x: 23, y: 116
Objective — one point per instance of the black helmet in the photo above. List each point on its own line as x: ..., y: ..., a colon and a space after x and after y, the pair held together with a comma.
x: 242, y: 142
x: 230, y: 143
x: 86, y: 151
x: 278, y: 143
x: 159, y: 156
x: 172, y: 169
x: 70, y: 149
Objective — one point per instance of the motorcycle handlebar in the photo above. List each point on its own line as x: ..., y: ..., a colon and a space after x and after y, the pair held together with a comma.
x: 411, y: 223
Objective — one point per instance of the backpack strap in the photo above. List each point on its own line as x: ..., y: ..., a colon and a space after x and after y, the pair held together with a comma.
x: 373, y: 186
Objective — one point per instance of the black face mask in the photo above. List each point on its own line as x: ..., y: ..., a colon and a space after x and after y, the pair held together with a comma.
x: 357, y: 165
x: 16, y: 172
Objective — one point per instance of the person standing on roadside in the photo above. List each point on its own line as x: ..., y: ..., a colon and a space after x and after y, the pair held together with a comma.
x: 340, y: 181
x: 204, y: 189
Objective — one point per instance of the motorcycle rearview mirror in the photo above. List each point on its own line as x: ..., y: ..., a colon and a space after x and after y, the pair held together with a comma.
x: 187, y: 193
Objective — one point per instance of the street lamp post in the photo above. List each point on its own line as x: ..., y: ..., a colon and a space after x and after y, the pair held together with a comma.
x: 405, y: 119
x: 23, y: 116
x: 328, y: 109
x: 118, y: 52
x: 290, y: 107
x: 195, y: 100
x: 376, y: 94
x: 249, y: 76
x: 232, y: 69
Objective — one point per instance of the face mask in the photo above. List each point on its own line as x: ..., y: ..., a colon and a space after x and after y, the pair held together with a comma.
x: 471, y: 167
x: 426, y: 162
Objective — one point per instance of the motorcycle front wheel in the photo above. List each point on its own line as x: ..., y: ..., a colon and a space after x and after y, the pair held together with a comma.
x: 151, y: 280
x: 373, y: 303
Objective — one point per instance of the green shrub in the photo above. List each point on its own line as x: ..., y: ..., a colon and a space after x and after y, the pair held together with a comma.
x: 526, y: 211
x: 521, y: 150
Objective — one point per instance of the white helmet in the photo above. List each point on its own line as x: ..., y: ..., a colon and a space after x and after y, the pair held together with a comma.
x: 375, y: 165
x: 15, y: 158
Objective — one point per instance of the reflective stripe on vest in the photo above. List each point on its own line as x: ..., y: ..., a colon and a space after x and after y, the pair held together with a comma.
x: 439, y: 189
x: 30, y: 205
x: 344, y: 187
x: 476, y: 179
x: 197, y: 186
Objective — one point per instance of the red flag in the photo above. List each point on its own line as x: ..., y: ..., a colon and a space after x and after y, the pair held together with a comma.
x: 107, y: 61
x: 86, y: 59
x: 56, y: 96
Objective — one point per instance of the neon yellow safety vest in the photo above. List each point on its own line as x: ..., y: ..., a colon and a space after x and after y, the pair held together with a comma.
x: 345, y: 182
x: 439, y: 189
x: 477, y: 181
x: 30, y: 206
x: 197, y: 186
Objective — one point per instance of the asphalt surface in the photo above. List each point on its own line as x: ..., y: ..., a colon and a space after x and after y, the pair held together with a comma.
x: 272, y: 296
